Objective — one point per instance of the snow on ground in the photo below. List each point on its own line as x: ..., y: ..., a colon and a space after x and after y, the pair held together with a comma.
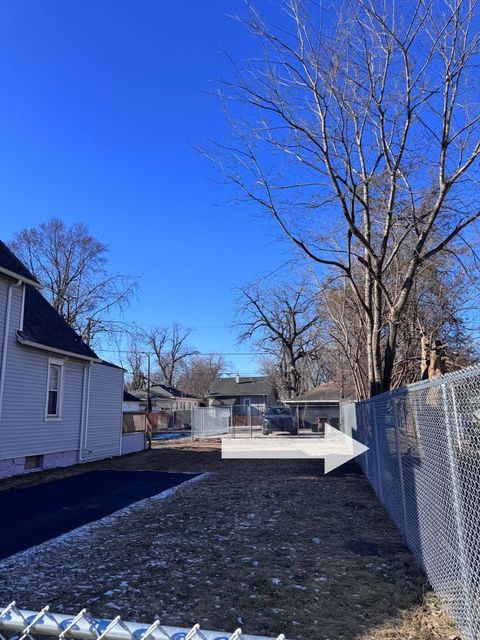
x: 274, y: 544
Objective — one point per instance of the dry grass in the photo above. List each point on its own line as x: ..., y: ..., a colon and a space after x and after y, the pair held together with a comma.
x: 272, y: 547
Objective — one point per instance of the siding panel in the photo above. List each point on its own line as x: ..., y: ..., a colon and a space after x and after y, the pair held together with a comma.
x: 105, y: 412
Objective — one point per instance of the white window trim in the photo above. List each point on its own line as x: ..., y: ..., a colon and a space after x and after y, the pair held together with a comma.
x: 61, y: 364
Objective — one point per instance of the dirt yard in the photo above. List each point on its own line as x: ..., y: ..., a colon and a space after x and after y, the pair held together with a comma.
x: 274, y: 547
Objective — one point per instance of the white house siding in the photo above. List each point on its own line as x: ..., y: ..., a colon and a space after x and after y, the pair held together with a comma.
x: 24, y: 431
x: 133, y: 442
x: 104, y: 427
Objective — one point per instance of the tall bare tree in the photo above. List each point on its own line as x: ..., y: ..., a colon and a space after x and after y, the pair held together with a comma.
x: 137, y: 360
x: 360, y: 135
x: 198, y: 372
x: 171, y: 349
x: 72, y: 266
x: 281, y: 321
x: 438, y: 309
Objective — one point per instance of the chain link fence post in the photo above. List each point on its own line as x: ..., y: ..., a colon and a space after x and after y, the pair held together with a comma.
x: 457, y: 509
x: 378, y: 474
x: 396, y: 429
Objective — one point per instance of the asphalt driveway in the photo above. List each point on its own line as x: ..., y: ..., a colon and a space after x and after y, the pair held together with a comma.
x: 32, y: 515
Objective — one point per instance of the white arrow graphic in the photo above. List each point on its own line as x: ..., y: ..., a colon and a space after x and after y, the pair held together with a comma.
x: 336, y: 448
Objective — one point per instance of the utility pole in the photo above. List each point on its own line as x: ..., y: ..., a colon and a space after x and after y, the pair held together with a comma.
x: 149, y: 404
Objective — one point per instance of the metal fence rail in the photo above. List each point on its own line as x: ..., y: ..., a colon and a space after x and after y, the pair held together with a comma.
x: 424, y: 465
x: 21, y: 624
x: 208, y: 422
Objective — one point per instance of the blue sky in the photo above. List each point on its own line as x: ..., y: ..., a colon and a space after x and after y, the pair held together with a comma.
x: 101, y: 104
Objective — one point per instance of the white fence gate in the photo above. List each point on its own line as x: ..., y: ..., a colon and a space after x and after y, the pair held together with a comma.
x: 208, y: 422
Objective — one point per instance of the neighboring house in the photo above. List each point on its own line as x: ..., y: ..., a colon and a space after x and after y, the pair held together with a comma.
x: 321, y: 402
x: 131, y: 403
x: 165, y: 398
x: 246, y: 395
x: 59, y: 402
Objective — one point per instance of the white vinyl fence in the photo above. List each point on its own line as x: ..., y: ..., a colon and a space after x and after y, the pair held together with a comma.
x: 23, y: 625
x: 424, y: 465
x: 208, y: 422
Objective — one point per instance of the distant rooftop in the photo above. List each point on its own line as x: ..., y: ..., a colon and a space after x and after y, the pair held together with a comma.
x: 160, y: 391
x: 329, y: 391
x: 240, y: 386
x: 129, y: 397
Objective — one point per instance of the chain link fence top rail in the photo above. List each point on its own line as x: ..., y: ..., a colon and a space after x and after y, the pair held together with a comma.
x: 26, y: 625
x: 424, y: 465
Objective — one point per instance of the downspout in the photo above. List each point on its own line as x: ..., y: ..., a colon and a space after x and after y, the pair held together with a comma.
x: 86, y: 395
x: 83, y: 417
x: 5, y: 340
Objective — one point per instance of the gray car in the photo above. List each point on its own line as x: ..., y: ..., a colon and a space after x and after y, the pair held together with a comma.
x: 279, y: 418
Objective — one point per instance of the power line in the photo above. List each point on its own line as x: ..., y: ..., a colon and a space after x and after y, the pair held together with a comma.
x: 197, y: 353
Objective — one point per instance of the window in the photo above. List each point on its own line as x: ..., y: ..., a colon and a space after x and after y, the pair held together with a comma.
x: 54, y: 389
x: 246, y: 402
x: 33, y: 462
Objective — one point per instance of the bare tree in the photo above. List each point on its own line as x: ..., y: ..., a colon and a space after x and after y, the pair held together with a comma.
x: 281, y: 322
x: 360, y: 136
x: 137, y: 360
x: 171, y: 349
x: 198, y: 372
x: 440, y: 301
x: 72, y: 266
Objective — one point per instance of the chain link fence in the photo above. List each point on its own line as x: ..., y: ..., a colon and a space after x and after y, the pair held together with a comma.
x: 424, y: 465
x: 19, y: 624
x: 208, y: 422
x: 237, y: 421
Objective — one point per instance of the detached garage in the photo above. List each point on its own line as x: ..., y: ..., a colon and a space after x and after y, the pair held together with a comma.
x: 321, y: 402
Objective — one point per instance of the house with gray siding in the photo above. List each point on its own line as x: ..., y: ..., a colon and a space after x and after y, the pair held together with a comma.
x: 60, y: 404
x: 246, y: 395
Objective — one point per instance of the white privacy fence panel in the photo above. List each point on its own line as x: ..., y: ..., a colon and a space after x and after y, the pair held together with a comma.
x: 424, y: 465
x: 210, y: 421
x: 22, y: 625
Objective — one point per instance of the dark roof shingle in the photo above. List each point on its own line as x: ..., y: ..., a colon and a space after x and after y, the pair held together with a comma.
x: 161, y: 391
x: 10, y: 262
x: 328, y: 391
x: 251, y: 386
x: 129, y: 397
x: 45, y: 327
